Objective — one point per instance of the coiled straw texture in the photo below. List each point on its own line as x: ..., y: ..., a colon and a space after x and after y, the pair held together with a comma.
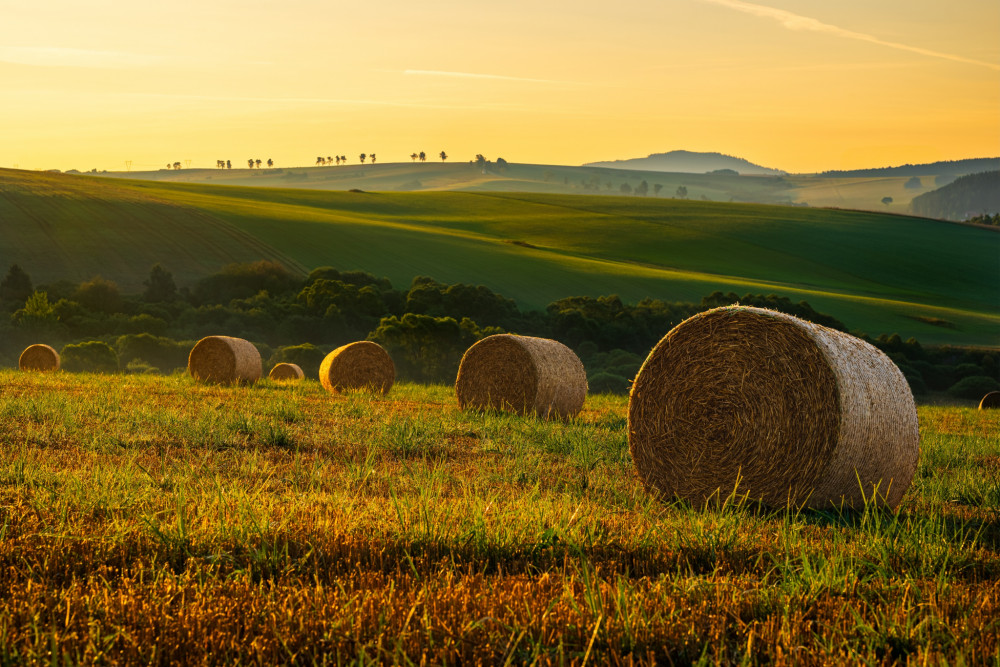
x: 522, y: 374
x: 39, y: 357
x: 224, y: 360
x: 363, y: 365
x: 286, y: 372
x: 764, y: 404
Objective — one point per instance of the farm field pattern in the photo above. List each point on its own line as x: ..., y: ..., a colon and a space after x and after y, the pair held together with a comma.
x: 878, y: 273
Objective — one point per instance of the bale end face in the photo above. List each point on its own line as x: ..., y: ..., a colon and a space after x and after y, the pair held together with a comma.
x: 285, y: 372
x: 39, y: 357
x: 522, y: 374
x: 363, y: 365
x: 750, y: 401
x: 224, y: 360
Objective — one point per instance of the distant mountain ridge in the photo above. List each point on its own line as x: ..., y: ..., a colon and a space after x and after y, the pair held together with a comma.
x: 689, y: 162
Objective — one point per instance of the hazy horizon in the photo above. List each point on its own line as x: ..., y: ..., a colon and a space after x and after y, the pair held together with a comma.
x: 803, y: 87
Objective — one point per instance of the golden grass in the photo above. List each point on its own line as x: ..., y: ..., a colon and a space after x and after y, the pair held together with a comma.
x: 155, y: 520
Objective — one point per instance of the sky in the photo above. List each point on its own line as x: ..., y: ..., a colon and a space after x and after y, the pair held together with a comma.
x: 799, y: 85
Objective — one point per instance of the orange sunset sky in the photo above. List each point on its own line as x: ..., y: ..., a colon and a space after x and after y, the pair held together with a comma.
x: 802, y: 85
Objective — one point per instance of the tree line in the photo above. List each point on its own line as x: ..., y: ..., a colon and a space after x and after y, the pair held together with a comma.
x: 425, y: 327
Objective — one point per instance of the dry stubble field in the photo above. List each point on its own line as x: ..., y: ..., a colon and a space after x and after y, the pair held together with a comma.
x: 148, y: 520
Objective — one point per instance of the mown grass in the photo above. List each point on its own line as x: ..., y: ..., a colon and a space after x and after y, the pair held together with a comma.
x: 150, y: 520
x: 877, y: 273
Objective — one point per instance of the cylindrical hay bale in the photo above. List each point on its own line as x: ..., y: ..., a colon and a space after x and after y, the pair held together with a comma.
x: 224, y: 360
x: 286, y: 372
x: 757, y: 402
x: 990, y: 401
x: 39, y: 357
x: 361, y: 365
x: 522, y: 374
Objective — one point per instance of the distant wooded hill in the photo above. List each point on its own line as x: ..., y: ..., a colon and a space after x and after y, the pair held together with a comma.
x: 968, y: 196
x: 952, y: 168
x: 688, y: 162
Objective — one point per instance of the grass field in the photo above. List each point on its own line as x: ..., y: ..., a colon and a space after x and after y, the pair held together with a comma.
x: 147, y: 520
x: 878, y: 273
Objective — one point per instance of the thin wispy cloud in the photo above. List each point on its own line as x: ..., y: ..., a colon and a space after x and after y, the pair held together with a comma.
x: 53, y: 56
x: 798, y: 22
x: 472, y: 75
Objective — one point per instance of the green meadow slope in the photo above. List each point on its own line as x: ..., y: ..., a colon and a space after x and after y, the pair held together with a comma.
x: 878, y: 273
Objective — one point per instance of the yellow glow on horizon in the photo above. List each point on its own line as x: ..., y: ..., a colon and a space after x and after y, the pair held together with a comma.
x: 801, y: 86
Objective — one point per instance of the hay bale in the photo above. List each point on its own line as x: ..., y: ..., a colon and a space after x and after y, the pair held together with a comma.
x: 765, y: 404
x: 224, y: 360
x: 522, y: 374
x: 990, y: 401
x: 286, y: 372
x: 362, y: 365
x: 39, y: 357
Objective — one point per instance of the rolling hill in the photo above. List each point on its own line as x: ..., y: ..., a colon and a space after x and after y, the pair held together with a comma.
x: 879, y: 273
x: 865, y: 192
x: 689, y: 162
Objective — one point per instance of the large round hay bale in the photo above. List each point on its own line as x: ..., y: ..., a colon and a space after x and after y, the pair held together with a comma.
x: 285, y: 372
x: 768, y: 405
x: 362, y: 365
x: 990, y: 401
x: 522, y: 374
x: 224, y: 360
x: 39, y: 357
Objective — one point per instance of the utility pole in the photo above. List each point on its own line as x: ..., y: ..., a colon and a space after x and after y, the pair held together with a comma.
x: 187, y: 163
x: 128, y: 165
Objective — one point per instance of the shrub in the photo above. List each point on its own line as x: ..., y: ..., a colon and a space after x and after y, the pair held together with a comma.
x: 162, y: 353
x: 974, y: 387
x: 92, y: 356
x: 607, y: 383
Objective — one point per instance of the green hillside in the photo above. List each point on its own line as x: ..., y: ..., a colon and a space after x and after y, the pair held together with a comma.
x: 878, y: 273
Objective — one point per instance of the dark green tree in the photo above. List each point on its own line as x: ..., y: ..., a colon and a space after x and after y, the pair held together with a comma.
x: 16, y: 285
x: 99, y: 295
x: 159, y: 286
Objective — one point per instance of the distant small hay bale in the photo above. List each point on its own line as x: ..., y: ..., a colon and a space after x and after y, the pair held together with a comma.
x: 757, y: 402
x: 361, y: 365
x: 224, y: 360
x: 990, y: 401
x: 39, y: 357
x: 522, y: 374
x: 286, y: 372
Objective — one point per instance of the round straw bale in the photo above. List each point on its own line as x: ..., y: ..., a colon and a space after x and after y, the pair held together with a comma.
x: 286, y: 371
x: 360, y: 365
x: 990, y: 401
x: 39, y: 357
x: 522, y: 374
x: 757, y: 402
x: 224, y: 360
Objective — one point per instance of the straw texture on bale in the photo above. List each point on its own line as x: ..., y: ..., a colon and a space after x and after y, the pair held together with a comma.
x: 285, y: 371
x: 990, y: 401
x: 760, y: 403
x: 224, y: 360
x: 362, y: 365
x: 522, y: 374
x: 39, y: 357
